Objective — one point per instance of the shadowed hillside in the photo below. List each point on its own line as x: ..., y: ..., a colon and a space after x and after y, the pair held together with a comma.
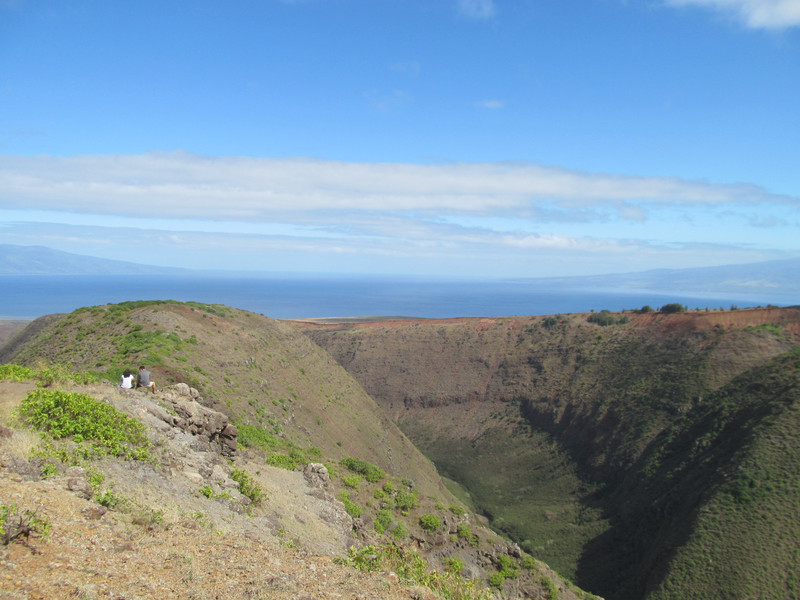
x: 559, y: 429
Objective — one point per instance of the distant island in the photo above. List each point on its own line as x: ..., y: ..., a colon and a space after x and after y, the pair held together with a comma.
x: 776, y: 277
x: 40, y: 260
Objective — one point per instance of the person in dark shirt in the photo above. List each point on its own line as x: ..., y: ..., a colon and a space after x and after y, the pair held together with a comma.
x: 144, y: 380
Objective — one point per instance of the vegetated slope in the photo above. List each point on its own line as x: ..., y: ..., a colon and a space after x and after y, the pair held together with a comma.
x: 710, y: 509
x: 189, y: 485
x: 546, y: 421
x: 257, y: 370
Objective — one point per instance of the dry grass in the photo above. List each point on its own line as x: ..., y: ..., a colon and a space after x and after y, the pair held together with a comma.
x: 21, y: 441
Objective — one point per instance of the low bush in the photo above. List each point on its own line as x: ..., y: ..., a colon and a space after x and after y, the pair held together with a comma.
x: 454, y: 565
x: 605, y: 318
x: 405, y: 500
x: 351, y: 481
x: 496, y: 580
x: 673, y: 307
x: 15, y: 523
x: 371, y: 473
x: 411, y: 568
x: 15, y: 373
x: 352, y: 509
x: 383, y: 520
x: 400, y: 532
x: 247, y: 486
x: 81, y: 417
x: 251, y: 436
x: 429, y: 522
x: 284, y: 461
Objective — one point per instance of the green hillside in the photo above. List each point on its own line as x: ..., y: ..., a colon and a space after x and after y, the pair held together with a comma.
x: 582, y: 440
x: 257, y: 370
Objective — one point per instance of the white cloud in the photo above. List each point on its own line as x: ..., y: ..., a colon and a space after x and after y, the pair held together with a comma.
x: 756, y: 14
x: 476, y: 9
x: 186, y: 186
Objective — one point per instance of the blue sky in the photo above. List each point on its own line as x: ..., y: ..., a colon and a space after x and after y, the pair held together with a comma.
x: 453, y: 138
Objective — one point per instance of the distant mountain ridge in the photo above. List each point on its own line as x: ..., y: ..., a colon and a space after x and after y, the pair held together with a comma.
x: 40, y: 260
x: 774, y: 277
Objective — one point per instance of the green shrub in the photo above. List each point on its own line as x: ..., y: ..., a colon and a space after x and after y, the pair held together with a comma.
x: 14, y: 523
x: 400, y: 532
x: 68, y: 414
x: 48, y: 470
x: 351, y: 481
x: 457, y: 509
x: 405, y: 500
x: 550, y: 588
x: 454, y: 565
x: 15, y: 373
x: 283, y: 461
x: 411, y: 568
x: 429, y: 522
x: 383, y: 520
x: 247, y: 486
x: 352, y: 509
x: 496, y: 580
x: 111, y: 499
x: 507, y: 566
x: 206, y: 491
x: 464, y: 531
x: 371, y: 473
x: 673, y: 307
x: 251, y: 436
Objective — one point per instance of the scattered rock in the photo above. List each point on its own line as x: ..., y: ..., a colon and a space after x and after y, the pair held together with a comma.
x: 94, y: 512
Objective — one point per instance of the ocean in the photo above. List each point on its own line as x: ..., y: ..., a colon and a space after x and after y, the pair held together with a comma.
x: 30, y: 296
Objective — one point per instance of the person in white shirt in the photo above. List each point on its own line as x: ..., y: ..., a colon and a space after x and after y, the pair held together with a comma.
x: 127, y: 380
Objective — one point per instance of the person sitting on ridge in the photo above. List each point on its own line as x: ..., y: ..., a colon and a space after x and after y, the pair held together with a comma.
x: 144, y: 380
x: 126, y: 380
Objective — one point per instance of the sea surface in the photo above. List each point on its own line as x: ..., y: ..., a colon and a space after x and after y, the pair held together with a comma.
x: 295, y: 297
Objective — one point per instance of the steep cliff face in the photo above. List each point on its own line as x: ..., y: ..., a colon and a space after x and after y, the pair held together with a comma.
x: 544, y: 419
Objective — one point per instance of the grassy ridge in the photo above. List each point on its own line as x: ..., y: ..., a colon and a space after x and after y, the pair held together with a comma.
x: 257, y: 370
x: 710, y: 510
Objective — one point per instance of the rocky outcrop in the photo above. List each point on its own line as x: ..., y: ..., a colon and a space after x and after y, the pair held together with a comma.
x: 180, y: 407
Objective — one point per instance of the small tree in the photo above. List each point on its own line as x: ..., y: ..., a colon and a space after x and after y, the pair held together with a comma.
x: 673, y: 307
